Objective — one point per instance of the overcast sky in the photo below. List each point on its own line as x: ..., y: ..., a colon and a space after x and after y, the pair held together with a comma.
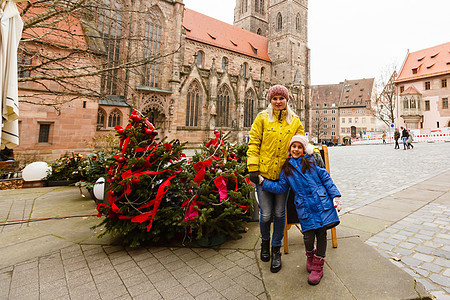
x: 353, y: 39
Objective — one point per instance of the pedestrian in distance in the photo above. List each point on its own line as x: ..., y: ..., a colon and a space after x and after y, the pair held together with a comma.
x: 409, y: 140
x: 404, y: 136
x: 384, y: 137
x: 317, y: 201
x: 396, y: 137
x: 269, y: 138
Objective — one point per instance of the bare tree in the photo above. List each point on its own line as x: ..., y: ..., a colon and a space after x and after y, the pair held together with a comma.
x: 319, y: 125
x: 385, y: 110
x: 86, y: 48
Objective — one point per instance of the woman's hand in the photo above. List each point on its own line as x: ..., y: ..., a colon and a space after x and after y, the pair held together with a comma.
x: 261, y: 179
x: 337, y: 203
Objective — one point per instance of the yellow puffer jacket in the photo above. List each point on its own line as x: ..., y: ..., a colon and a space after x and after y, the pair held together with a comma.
x: 269, y: 142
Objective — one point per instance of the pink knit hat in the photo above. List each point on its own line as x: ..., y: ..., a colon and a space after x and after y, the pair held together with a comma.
x: 309, y: 149
x: 278, y: 90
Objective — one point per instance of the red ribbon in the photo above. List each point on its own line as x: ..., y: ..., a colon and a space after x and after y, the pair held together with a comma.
x: 221, y: 184
x: 125, y: 144
x: 200, y: 168
x: 191, y: 211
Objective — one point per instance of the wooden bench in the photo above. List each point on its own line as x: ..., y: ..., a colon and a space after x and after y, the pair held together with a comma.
x: 291, y: 213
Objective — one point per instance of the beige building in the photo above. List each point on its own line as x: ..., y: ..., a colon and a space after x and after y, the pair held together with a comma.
x: 346, y: 109
x: 211, y: 75
x: 422, y: 89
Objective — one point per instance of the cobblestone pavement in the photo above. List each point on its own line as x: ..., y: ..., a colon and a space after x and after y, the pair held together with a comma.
x: 421, y: 240
x: 366, y: 173
x: 111, y: 272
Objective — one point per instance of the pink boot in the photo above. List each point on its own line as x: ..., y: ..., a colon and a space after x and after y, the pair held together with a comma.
x: 317, y: 270
x: 309, y: 260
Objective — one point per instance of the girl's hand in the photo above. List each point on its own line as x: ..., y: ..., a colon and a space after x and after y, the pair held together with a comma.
x: 337, y: 203
x: 261, y: 179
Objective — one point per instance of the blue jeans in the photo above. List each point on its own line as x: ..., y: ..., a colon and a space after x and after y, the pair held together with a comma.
x: 404, y: 142
x: 271, y: 206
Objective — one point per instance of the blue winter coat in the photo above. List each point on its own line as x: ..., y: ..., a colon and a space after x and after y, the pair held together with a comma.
x: 314, y: 192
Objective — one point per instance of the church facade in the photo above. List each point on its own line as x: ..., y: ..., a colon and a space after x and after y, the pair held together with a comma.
x: 209, y: 74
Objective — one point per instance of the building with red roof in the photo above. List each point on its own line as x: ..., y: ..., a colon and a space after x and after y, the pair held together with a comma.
x: 341, y: 110
x: 422, y: 89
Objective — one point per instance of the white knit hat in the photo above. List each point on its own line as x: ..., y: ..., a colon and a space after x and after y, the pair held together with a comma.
x: 309, y: 149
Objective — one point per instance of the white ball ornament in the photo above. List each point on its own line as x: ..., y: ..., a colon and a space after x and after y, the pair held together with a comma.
x: 36, y: 171
x: 99, y: 188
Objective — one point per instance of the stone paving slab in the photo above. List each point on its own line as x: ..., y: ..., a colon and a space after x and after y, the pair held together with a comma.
x: 418, y: 194
x: 381, y: 213
x: 364, y: 223
x: 362, y: 271
x: 22, y: 251
x: 393, y: 203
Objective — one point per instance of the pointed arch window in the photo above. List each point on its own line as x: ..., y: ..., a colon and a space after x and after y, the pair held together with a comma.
x: 109, y: 22
x: 101, y: 116
x: 244, y: 69
x: 298, y: 22
x: 279, y: 22
x: 193, y: 104
x: 261, y: 6
x: 200, y: 59
x: 223, y: 106
x: 114, y: 118
x: 249, y: 104
x: 152, y: 46
x: 259, y: 31
x: 224, y: 63
x: 257, y: 6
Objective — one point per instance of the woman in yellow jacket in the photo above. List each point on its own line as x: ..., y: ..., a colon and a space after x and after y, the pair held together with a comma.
x: 270, y: 134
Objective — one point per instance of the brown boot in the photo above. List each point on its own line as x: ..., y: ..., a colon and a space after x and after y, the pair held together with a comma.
x: 317, y: 270
x: 309, y: 260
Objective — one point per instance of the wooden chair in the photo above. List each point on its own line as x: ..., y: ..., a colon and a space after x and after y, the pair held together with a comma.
x: 291, y: 214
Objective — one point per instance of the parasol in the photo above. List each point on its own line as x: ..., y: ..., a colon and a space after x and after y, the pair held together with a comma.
x: 11, y: 26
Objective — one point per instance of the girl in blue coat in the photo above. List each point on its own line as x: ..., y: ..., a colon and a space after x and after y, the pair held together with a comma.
x: 316, y: 198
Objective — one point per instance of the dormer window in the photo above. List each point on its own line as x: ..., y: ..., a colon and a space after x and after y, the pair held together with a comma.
x: 211, y: 36
x: 434, y: 55
x: 414, y: 71
x: 420, y: 59
x: 255, y: 51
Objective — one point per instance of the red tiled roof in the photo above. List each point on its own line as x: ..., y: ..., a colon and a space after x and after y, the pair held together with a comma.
x: 213, y: 32
x: 358, y: 90
x: 326, y: 93
x: 69, y: 31
x: 410, y: 91
x: 427, y: 62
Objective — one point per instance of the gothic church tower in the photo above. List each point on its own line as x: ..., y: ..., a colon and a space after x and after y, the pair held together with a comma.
x: 285, y: 24
x: 252, y: 15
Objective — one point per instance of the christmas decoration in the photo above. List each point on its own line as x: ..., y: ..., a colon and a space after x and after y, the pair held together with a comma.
x: 218, y: 202
x: 67, y: 168
x: 144, y: 194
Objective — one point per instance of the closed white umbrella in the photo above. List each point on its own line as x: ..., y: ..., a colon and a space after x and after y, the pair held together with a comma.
x: 11, y: 26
